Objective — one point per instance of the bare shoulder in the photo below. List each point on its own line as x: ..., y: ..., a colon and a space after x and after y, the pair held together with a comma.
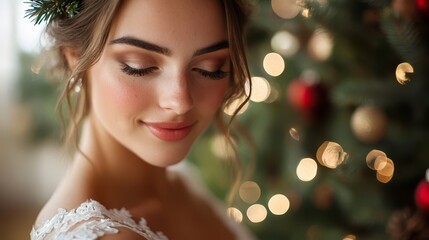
x: 69, y: 194
x: 52, y: 208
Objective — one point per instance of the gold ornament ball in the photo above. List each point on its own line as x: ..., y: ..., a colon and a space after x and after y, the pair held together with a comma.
x: 368, y: 124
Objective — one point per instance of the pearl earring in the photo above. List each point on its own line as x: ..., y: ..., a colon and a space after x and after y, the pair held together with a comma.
x: 75, y: 84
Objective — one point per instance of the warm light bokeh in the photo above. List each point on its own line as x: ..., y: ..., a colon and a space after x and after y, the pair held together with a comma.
x: 256, y: 213
x: 235, y: 214
x: 278, y: 204
x: 249, y: 192
x: 286, y: 9
x: 306, y: 169
x: 274, y: 64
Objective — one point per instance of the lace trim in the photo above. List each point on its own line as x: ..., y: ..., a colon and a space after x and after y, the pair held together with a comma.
x: 90, y: 221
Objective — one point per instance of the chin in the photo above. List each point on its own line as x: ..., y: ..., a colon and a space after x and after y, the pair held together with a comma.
x: 164, y: 164
x: 165, y: 159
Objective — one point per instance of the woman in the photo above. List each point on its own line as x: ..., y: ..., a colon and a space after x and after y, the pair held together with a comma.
x: 151, y: 76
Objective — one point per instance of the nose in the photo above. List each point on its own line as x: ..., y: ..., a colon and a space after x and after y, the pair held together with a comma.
x: 176, y: 96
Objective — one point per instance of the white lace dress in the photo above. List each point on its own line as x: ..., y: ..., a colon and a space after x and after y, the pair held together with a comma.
x: 90, y: 221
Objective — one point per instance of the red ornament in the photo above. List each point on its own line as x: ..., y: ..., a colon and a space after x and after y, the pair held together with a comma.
x: 422, y: 5
x: 422, y: 195
x: 302, y: 95
x: 309, y: 97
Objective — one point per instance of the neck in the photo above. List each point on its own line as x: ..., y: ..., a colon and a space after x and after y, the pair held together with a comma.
x: 120, y: 178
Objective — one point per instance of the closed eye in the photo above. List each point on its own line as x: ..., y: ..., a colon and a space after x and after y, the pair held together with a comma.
x: 216, y: 75
x: 138, y: 72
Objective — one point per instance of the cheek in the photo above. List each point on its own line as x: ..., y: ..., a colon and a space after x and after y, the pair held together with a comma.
x: 115, y: 95
x: 213, y: 96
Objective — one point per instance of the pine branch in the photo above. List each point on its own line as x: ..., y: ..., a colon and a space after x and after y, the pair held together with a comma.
x: 403, y: 37
x: 49, y: 10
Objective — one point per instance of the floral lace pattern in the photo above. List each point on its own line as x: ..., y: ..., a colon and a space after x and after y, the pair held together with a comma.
x: 90, y: 221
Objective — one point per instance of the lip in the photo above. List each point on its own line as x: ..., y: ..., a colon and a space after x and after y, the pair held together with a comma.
x: 169, y: 131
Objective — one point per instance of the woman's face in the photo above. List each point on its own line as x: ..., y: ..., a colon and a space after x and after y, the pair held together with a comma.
x: 162, y: 76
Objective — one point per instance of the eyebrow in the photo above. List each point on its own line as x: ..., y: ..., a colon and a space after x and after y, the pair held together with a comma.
x: 212, y: 48
x: 165, y: 51
x: 142, y: 44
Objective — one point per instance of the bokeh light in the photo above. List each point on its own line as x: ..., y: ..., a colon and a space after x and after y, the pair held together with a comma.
x: 286, y: 9
x: 261, y: 89
x: 256, y: 213
x: 274, y: 64
x: 385, y: 174
x: 294, y: 134
x: 350, y: 237
x: 249, y: 192
x: 221, y: 148
x: 383, y: 179
x: 331, y: 154
x: 274, y: 95
x: 305, y: 12
x: 306, y: 169
x: 285, y: 43
x: 278, y: 204
x: 376, y: 159
x: 231, y: 107
x: 320, y: 45
x: 235, y: 214
x: 402, y: 70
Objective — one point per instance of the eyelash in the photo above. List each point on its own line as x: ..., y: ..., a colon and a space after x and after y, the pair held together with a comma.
x: 216, y: 75
x: 139, y: 72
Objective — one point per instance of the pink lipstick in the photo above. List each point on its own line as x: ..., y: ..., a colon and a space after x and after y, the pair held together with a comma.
x: 170, y: 131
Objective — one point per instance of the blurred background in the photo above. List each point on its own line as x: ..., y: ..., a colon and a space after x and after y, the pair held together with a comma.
x: 336, y: 135
x: 31, y: 158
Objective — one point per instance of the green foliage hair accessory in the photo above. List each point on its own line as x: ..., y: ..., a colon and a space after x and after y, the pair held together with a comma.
x: 49, y: 10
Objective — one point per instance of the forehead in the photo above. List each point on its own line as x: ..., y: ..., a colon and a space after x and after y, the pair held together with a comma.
x: 172, y: 23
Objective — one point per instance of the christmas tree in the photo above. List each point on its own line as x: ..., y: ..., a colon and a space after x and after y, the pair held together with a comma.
x: 339, y: 120
x: 336, y: 133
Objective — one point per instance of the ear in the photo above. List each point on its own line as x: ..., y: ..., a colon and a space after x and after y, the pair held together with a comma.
x: 71, y: 57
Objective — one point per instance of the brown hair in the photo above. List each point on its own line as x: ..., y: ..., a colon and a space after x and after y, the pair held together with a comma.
x: 236, y: 13
x: 86, y: 35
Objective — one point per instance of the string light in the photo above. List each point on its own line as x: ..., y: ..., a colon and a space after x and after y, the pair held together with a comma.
x: 385, y: 174
x: 402, y: 70
x: 261, y: 89
x: 306, y: 169
x: 285, y: 43
x: 249, y: 192
x: 320, y: 44
x: 231, y: 107
x: 256, y: 213
x: 331, y: 154
x: 294, y: 134
x: 235, y: 214
x: 221, y: 148
x: 376, y: 159
x: 305, y: 13
x: 286, y: 9
x: 274, y: 95
x: 273, y: 64
x: 278, y: 204
x: 350, y: 237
